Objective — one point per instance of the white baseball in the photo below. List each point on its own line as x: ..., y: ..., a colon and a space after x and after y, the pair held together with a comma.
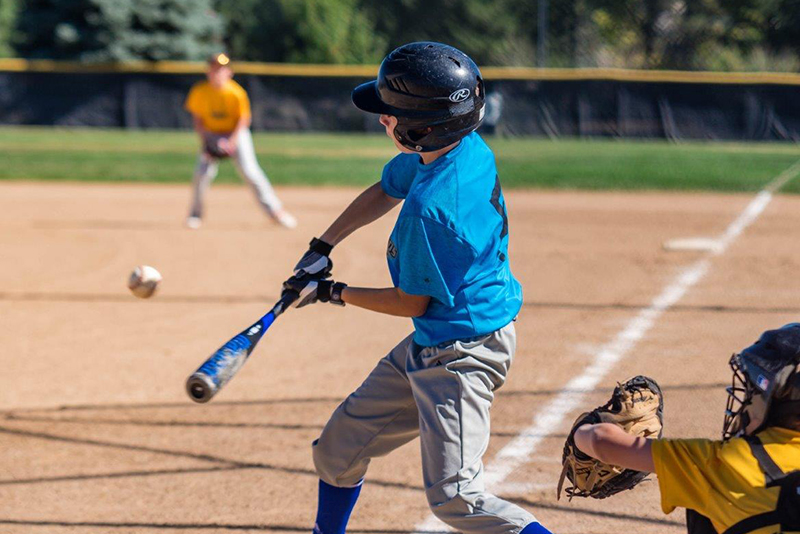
x: 144, y: 281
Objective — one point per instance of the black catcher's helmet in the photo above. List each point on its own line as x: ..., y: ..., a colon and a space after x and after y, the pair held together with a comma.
x: 435, y: 91
x: 766, y: 383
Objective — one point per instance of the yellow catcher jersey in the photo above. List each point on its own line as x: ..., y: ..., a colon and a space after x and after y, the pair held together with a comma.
x: 218, y: 109
x: 722, y: 480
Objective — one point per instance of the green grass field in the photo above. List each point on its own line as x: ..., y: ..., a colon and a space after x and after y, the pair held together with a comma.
x: 344, y: 159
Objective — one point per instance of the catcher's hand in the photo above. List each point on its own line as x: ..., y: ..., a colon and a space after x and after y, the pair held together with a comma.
x: 217, y: 148
x: 637, y: 407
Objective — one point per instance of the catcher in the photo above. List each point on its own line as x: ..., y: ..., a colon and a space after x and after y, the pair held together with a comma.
x: 748, y: 482
x: 221, y: 112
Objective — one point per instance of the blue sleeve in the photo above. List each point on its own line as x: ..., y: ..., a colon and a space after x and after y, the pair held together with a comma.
x: 398, y: 175
x: 434, y: 260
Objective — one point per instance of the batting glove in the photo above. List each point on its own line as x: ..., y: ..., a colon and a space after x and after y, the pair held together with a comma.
x: 311, y: 290
x: 315, y: 263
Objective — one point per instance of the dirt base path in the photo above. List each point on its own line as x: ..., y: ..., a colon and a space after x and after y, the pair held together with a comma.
x: 97, y: 434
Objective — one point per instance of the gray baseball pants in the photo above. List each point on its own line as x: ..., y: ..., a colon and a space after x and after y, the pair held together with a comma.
x: 443, y: 395
x: 244, y: 159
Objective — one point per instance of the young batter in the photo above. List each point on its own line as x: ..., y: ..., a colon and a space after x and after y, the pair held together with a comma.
x: 448, y: 259
x: 221, y: 112
x: 750, y: 480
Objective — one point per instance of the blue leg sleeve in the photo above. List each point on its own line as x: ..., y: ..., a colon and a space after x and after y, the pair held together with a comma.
x: 334, y: 507
x: 535, y: 528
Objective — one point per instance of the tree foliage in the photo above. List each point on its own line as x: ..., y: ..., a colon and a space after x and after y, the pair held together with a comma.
x: 110, y: 30
x: 8, y: 16
x: 302, y: 31
x: 674, y: 34
x: 700, y: 34
x: 489, y: 31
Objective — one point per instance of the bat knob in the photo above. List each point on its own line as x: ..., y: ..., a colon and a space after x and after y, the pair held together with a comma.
x: 200, y: 387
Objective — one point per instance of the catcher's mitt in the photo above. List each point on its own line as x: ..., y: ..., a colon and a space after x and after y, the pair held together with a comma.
x: 213, y: 149
x: 637, y: 407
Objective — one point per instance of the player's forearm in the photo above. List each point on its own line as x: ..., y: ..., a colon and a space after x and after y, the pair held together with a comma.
x: 391, y: 301
x: 244, y: 122
x: 369, y: 206
x: 198, y: 127
x: 612, y: 445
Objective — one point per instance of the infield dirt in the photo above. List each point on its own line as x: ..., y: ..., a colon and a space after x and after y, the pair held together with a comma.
x: 97, y: 434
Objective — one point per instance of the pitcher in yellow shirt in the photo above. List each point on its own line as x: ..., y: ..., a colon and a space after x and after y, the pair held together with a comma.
x: 221, y: 112
x: 748, y: 482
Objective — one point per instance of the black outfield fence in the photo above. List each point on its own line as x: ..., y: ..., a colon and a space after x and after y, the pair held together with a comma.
x: 539, y: 102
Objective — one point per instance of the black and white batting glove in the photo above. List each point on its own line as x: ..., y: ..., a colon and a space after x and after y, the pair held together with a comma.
x: 316, y: 262
x: 312, y: 290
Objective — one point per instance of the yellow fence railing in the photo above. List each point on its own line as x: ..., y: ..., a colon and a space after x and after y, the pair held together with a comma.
x: 368, y: 71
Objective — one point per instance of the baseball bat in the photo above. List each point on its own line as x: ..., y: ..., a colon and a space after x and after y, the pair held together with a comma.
x: 221, y: 366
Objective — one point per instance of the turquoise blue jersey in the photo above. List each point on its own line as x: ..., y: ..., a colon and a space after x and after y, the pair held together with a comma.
x: 450, y: 242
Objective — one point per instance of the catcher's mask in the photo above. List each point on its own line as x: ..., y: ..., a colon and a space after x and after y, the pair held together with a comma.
x: 766, y: 382
x: 435, y: 91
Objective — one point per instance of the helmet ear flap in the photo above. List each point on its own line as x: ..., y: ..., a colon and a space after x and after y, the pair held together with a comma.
x: 404, y: 137
x: 416, y: 135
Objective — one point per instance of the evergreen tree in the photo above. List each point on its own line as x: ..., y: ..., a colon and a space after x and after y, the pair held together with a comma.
x: 110, y: 30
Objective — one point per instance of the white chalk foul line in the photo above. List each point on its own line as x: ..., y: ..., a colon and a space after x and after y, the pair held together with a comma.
x: 520, y: 449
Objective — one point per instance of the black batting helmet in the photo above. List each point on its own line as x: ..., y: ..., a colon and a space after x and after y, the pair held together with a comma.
x: 435, y: 91
x: 766, y: 383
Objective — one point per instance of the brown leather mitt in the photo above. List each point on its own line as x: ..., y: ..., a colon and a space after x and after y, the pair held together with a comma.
x: 637, y: 407
x: 213, y: 149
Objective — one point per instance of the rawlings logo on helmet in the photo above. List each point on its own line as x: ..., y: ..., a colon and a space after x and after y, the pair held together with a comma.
x: 459, y: 95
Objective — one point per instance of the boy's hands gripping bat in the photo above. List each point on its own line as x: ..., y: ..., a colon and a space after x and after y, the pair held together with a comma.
x: 220, y: 367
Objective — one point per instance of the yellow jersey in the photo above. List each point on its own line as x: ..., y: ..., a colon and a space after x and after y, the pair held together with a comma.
x: 218, y: 109
x: 722, y: 480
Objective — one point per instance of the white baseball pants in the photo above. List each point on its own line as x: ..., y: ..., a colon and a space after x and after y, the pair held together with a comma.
x: 244, y: 159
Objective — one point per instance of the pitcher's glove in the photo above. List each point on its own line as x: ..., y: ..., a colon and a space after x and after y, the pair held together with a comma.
x: 637, y: 407
x: 213, y: 148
